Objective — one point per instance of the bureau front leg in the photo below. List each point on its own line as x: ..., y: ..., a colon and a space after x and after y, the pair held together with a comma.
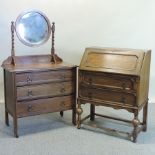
x: 79, y: 112
x: 145, y: 109
x: 92, y: 112
x: 15, y: 126
x: 135, y: 123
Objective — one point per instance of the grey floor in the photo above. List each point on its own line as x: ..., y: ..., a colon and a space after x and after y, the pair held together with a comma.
x: 49, y: 134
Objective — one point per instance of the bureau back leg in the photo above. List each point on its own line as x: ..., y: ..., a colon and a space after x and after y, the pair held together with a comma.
x: 145, y: 109
x: 74, y: 115
x: 61, y: 113
x: 92, y: 112
x: 6, y: 118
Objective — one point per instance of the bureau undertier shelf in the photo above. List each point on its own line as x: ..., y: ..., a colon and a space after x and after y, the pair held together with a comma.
x: 36, y: 86
x: 116, y: 78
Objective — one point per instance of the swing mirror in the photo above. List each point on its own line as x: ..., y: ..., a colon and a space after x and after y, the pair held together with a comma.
x: 33, y: 28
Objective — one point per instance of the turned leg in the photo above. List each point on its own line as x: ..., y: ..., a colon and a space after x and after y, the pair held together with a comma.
x: 6, y: 118
x: 79, y: 112
x: 92, y: 112
x: 145, y: 108
x: 61, y: 113
x: 135, y: 123
x: 15, y: 127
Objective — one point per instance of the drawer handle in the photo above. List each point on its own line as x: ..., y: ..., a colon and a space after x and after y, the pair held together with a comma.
x: 123, y: 85
x: 63, y: 76
x: 123, y: 99
x: 62, y: 104
x: 29, y: 93
x: 62, y: 90
x: 90, y: 95
x: 29, y: 108
x: 29, y: 79
x: 90, y: 81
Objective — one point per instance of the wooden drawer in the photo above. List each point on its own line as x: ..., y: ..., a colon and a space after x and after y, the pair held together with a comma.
x: 45, y: 90
x: 108, y: 80
x: 43, y: 77
x: 107, y: 95
x: 27, y: 108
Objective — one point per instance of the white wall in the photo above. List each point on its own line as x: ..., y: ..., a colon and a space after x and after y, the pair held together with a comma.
x: 83, y: 23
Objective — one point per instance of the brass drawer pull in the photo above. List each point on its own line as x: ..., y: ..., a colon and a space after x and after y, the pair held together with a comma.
x: 29, y: 108
x: 62, y: 103
x: 90, y: 81
x: 29, y: 93
x: 90, y: 95
x: 123, y: 85
x: 29, y: 79
x: 63, y: 76
x: 62, y: 90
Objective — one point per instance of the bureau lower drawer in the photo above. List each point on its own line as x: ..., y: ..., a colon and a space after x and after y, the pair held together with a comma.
x: 107, y: 95
x: 45, y: 90
x: 27, y: 108
x: 43, y: 77
x: 108, y: 80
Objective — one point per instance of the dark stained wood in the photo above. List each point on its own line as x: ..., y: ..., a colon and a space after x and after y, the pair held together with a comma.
x: 35, y: 86
x: 117, y: 78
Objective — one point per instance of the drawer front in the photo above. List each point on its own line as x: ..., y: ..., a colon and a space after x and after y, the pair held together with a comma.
x: 27, y: 108
x: 108, y: 80
x: 107, y: 95
x: 45, y: 90
x: 43, y: 77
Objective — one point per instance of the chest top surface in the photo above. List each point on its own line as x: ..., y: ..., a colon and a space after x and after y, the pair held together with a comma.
x: 34, y: 63
x: 113, y: 60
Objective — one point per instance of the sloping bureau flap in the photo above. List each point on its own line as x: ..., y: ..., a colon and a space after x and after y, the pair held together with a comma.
x: 113, y: 60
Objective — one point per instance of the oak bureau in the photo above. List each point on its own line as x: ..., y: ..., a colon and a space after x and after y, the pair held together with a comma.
x: 35, y: 86
x: 117, y: 78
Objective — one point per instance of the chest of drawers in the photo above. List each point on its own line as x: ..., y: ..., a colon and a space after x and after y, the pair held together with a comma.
x: 117, y: 78
x: 35, y: 86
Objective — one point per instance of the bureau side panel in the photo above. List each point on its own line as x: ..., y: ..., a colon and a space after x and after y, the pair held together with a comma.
x: 144, y: 79
x: 9, y: 92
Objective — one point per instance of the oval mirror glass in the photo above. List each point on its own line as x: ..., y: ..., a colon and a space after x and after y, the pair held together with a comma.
x: 33, y: 28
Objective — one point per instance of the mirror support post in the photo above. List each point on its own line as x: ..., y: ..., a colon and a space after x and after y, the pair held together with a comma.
x: 12, y: 45
x: 54, y: 57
